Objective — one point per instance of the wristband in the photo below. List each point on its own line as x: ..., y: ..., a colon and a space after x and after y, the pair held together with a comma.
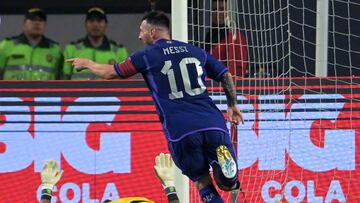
x: 46, y: 194
x: 170, y: 190
x: 171, y: 193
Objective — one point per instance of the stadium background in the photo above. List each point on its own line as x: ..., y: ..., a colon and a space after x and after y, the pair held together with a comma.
x: 124, y: 22
x: 99, y: 121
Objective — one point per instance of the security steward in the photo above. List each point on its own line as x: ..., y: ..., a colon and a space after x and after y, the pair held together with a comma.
x: 95, y: 46
x: 30, y: 55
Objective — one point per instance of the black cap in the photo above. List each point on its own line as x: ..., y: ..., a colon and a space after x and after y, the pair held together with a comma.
x: 96, y: 12
x: 35, y: 14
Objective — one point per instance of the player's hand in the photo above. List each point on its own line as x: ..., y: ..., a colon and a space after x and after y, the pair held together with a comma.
x: 164, y: 169
x: 49, y: 174
x: 234, y: 115
x: 80, y: 63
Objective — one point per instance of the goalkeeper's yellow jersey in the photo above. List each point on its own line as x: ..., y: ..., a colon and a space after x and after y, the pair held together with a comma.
x: 133, y: 200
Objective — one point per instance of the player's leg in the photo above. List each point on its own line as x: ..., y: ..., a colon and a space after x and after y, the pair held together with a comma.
x: 188, y: 155
x: 221, y: 157
x: 208, y: 192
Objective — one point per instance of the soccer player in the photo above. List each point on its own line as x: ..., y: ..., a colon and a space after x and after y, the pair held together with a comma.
x: 195, y: 128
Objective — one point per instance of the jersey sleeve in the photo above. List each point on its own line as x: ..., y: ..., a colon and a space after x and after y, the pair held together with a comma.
x: 214, y: 68
x: 134, y: 64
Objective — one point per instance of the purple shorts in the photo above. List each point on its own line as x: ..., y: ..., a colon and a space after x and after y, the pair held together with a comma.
x: 194, y: 154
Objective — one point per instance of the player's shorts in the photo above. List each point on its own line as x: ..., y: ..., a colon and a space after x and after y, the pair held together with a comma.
x: 194, y: 154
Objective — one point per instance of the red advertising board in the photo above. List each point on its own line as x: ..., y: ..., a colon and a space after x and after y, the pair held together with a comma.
x: 299, y: 143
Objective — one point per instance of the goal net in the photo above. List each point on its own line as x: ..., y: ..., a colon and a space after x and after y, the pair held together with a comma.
x: 300, y: 140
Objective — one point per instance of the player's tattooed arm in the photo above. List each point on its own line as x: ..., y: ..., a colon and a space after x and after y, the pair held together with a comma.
x: 233, y: 113
x: 229, y: 89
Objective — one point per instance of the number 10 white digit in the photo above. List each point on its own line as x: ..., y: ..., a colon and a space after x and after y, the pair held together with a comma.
x: 175, y: 93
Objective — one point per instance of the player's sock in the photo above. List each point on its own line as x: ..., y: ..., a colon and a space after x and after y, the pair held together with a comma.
x: 209, y: 195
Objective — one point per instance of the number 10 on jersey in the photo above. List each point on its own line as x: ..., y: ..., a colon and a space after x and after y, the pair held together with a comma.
x: 175, y: 93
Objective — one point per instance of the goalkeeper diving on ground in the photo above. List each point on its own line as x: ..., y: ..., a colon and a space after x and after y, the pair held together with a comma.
x: 195, y: 128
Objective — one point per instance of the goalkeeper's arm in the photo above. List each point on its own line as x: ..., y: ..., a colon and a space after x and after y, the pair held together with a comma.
x: 49, y: 178
x: 164, y: 169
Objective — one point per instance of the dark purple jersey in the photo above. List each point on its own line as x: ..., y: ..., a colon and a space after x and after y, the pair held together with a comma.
x: 175, y: 73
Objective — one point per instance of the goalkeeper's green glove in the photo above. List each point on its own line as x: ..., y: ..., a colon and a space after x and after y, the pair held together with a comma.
x: 49, y: 175
x: 164, y: 169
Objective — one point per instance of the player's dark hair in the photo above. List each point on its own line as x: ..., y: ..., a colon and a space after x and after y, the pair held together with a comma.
x: 157, y: 18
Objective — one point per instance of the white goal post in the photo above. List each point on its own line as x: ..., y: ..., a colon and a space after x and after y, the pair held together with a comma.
x: 179, y: 32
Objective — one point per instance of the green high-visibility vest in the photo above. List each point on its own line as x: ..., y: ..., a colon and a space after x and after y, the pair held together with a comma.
x: 108, y: 53
x: 20, y: 61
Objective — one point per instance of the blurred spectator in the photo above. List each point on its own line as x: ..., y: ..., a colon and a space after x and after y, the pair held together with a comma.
x: 95, y: 46
x: 30, y: 55
x: 224, y: 44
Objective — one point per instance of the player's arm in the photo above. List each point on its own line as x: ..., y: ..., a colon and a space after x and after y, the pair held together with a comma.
x: 233, y: 112
x: 218, y: 71
x: 105, y: 71
x: 229, y: 89
x: 49, y: 178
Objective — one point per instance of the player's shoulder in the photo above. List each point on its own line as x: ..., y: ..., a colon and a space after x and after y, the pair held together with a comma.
x: 139, y: 54
x: 177, y: 43
x: 188, y: 45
